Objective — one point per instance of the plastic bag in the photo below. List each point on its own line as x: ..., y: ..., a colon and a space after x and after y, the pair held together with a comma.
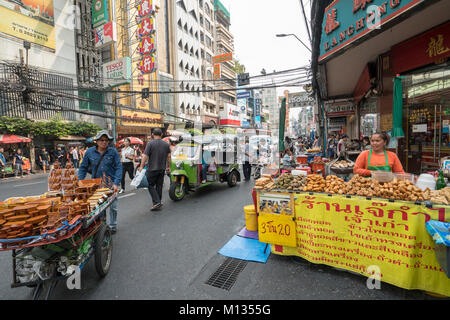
x: 138, y: 179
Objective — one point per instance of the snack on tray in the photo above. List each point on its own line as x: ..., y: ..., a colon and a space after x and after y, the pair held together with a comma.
x: 335, y: 185
x: 315, y: 183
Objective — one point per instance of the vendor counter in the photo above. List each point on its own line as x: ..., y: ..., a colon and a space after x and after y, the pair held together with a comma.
x: 382, y: 239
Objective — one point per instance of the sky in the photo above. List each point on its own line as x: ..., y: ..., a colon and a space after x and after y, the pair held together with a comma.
x: 254, y: 25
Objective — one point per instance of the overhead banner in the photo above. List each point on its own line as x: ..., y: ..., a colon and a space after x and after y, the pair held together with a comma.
x: 31, y: 20
x: 376, y: 238
x: 300, y: 99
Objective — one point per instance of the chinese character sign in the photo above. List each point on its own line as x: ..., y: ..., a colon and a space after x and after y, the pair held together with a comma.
x: 145, y: 8
x: 146, y: 27
x: 147, y: 64
x: 147, y: 46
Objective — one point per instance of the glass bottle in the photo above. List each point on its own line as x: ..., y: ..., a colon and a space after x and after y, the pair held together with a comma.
x: 440, y: 183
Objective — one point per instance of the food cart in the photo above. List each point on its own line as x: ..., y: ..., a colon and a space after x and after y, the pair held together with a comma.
x: 371, y: 228
x: 52, y: 236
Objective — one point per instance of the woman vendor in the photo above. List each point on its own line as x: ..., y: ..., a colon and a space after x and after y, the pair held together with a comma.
x: 377, y: 158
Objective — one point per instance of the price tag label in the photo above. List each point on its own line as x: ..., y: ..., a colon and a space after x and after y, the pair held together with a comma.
x: 277, y: 229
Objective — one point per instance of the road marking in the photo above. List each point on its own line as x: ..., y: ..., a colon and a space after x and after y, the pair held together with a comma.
x: 127, y: 195
x: 29, y: 184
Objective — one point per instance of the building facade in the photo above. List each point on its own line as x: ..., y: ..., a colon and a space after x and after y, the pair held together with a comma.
x: 375, y: 45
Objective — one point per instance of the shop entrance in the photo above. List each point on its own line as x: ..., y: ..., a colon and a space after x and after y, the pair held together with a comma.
x: 426, y: 119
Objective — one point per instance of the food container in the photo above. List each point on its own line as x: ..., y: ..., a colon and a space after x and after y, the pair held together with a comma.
x: 382, y: 176
x: 302, y: 159
x: 426, y: 181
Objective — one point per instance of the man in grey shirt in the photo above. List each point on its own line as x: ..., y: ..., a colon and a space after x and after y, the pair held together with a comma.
x: 157, y: 152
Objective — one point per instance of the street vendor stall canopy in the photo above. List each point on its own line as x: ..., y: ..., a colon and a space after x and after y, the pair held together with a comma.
x: 10, y: 138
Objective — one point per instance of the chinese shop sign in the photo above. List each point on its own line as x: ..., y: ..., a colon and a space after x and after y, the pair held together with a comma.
x: 432, y: 46
x: 345, y: 21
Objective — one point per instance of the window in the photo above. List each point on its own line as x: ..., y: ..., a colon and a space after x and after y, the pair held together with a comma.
x: 202, y: 37
x: 201, y: 20
x: 207, y: 25
x: 208, y: 41
x: 208, y: 57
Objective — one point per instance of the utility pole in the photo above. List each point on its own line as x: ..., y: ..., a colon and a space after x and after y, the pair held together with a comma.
x: 26, y: 98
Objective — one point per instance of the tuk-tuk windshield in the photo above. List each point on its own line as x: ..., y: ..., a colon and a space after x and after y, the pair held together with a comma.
x: 185, y: 151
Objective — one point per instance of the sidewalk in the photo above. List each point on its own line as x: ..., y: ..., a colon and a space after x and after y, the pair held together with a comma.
x: 29, y: 176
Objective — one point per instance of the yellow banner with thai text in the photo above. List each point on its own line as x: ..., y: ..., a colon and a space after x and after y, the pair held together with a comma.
x: 143, y: 119
x: 363, y: 235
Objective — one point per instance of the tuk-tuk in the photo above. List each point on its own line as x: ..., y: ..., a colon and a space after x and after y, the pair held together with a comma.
x: 186, y: 165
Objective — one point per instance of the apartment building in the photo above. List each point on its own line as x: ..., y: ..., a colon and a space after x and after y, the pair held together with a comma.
x: 225, y: 44
x: 210, y: 116
x: 188, y: 71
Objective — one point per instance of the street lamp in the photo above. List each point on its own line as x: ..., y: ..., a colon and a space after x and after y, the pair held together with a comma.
x: 291, y: 34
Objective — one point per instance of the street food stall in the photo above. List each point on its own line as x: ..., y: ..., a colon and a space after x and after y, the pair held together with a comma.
x: 376, y: 227
x: 11, y: 143
x: 53, y: 235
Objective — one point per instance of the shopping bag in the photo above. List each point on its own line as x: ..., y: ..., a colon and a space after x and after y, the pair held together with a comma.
x: 138, y: 179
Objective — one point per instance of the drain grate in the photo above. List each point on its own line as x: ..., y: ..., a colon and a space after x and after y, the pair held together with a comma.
x: 226, y: 275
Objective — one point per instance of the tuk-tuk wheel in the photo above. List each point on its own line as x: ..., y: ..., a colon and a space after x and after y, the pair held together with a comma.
x: 232, y: 179
x: 103, y: 250
x: 177, y: 191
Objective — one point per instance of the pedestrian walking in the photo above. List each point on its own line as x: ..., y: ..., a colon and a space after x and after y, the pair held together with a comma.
x: 157, y: 158
x: 246, y: 166
x: 44, y: 159
x: 75, y: 157
x: 127, y: 158
x: 103, y: 161
x: 18, y: 163
x: 60, y: 156
x: 81, y: 151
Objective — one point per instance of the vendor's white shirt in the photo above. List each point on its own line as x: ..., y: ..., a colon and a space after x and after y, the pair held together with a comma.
x: 129, y: 151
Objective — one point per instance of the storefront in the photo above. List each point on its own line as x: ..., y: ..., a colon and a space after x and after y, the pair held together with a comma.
x: 137, y: 124
x: 341, y: 118
x: 426, y: 90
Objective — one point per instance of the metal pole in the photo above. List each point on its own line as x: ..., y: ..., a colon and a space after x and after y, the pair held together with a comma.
x: 306, y: 21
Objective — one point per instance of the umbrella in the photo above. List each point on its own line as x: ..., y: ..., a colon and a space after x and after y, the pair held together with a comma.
x: 133, y: 140
x: 10, y: 138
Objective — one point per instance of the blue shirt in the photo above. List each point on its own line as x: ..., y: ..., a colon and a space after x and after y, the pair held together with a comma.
x: 3, y: 159
x: 110, y: 165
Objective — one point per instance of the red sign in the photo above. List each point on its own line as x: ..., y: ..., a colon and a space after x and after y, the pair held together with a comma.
x: 147, y: 65
x: 147, y: 46
x: 216, y: 74
x: 433, y: 46
x: 223, y: 57
x: 145, y: 8
x: 146, y: 27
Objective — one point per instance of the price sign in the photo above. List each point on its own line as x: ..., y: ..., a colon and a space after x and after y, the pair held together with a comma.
x: 277, y: 229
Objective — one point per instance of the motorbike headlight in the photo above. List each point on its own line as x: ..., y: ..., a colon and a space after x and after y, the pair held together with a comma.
x: 178, y: 164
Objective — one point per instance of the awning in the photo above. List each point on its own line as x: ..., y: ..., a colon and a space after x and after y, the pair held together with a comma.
x: 10, y: 138
x: 72, y: 138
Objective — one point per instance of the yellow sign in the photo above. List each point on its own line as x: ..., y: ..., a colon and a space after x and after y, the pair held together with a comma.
x: 364, y: 235
x: 277, y: 229
x: 140, y: 119
x: 33, y: 22
x: 436, y: 46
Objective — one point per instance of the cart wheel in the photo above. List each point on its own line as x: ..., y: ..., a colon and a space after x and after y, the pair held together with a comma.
x: 103, y: 250
x: 232, y: 179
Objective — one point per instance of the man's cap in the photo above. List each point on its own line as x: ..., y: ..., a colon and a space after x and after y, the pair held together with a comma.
x: 103, y: 133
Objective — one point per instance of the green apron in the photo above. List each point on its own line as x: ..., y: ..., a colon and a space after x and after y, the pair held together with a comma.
x: 386, y: 167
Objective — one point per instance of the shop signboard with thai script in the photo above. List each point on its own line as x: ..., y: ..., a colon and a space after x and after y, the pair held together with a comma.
x: 429, y: 47
x: 300, y: 99
x: 223, y: 57
x: 345, y: 21
x: 340, y: 109
x: 359, y: 234
x: 140, y: 119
